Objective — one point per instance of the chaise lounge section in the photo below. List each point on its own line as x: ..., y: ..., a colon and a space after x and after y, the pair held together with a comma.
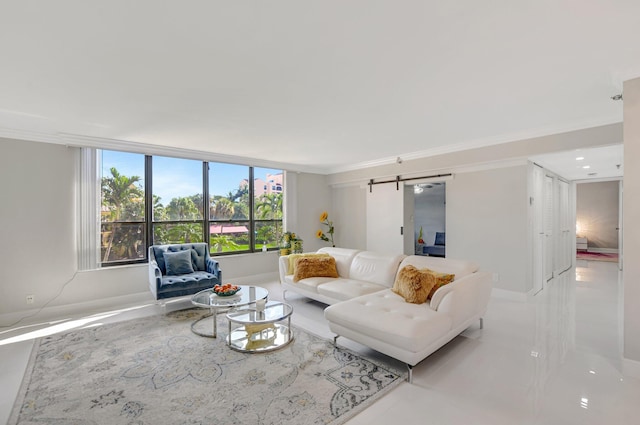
x: 364, y: 308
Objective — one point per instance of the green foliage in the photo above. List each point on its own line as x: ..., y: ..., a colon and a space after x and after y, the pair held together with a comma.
x: 123, y: 201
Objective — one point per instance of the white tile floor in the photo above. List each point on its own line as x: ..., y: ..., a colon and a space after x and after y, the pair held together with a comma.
x: 554, y: 359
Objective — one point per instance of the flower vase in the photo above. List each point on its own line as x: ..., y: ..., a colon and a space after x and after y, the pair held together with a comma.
x: 285, y: 251
x: 296, y: 247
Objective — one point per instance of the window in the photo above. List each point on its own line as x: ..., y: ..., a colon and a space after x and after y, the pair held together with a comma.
x: 152, y: 200
x: 122, y: 214
x: 267, y: 208
x: 177, y: 200
x: 229, y: 218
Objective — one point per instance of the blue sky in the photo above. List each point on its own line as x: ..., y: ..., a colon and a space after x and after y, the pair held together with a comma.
x: 175, y: 177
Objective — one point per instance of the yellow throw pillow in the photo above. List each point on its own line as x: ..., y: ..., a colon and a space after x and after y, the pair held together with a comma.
x: 291, y: 268
x: 416, y: 286
x: 315, y: 267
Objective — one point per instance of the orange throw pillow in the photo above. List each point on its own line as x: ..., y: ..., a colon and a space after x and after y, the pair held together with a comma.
x: 315, y: 267
x: 416, y: 286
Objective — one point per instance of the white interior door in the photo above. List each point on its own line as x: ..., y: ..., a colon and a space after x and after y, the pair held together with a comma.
x: 408, y: 221
x: 537, y: 228
x: 548, y: 228
x: 565, y: 235
x: 385, y: 219
x: 620, y: 241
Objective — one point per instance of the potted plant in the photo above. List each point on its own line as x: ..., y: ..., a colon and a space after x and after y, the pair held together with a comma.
x: 290, y: 244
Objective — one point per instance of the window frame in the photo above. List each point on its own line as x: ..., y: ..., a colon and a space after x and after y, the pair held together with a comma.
x: 206, y: 221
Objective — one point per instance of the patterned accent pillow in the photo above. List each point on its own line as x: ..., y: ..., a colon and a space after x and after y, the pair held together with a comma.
x: 315, y: 267
x: 416, y: 286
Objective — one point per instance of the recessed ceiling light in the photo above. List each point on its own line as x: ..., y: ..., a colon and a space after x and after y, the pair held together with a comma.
x: 586, y: 166
x: 580, y: 158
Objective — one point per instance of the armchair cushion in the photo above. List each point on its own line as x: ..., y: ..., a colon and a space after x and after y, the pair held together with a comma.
x: 178, y: 263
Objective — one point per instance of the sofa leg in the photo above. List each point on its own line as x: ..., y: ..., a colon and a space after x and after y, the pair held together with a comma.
x: 335, y: 339
x: 284, y: 295
x: 410, y: 374
x: 481, y: 323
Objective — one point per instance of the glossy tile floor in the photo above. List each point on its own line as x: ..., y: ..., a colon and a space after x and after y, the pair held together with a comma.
x: 553, y: 359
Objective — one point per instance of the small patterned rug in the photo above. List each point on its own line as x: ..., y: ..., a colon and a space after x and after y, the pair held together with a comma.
x: 155, y: 371
x: 597, y: 256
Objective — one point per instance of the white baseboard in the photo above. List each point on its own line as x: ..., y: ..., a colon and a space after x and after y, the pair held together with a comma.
x: 631, y: 368
x: 505, y: 294
x: 25, y: 317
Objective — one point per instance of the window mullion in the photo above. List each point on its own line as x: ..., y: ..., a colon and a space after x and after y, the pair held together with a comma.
x: 148, y: 201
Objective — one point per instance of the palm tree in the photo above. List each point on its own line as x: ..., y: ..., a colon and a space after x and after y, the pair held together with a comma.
x: 269, y: 206
x: 223, y: 209
x: 118, y: 192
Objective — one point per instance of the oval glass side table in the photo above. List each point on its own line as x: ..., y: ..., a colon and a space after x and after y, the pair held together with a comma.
x: 215, y: 303
x: 254, y: 330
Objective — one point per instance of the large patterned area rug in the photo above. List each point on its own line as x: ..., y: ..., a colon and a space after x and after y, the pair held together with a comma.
x: 155, y: 371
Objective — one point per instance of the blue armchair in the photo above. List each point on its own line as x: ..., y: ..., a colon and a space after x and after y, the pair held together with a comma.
x: 176, y: 270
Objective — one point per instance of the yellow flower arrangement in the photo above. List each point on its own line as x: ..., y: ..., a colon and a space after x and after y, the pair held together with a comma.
x: 324, y: 219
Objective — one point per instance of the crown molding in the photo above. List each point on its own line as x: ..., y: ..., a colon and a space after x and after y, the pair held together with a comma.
x: 79, y: 140
x: 479, y: 143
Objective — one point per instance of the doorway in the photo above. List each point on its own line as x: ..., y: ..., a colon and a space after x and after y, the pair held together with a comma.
x: 430, y: 218
x: 598, y: 220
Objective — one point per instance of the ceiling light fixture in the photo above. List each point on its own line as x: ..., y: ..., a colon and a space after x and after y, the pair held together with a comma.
x: 580, y: 158
x: 586, y: 167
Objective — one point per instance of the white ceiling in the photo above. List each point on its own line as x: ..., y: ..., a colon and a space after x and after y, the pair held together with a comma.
x: 325, y: 85
x: 585, y: 164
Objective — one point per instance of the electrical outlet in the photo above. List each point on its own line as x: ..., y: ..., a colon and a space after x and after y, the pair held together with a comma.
x: 31, y: 299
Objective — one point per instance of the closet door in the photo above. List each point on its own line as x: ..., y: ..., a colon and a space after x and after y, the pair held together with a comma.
x: 537, y: 205
x: 549, y: 254
x: 385, y: 219
x: 565, y: 228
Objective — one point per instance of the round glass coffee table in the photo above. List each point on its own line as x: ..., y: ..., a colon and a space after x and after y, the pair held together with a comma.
x: 259, y: 330
x: 215, y: 303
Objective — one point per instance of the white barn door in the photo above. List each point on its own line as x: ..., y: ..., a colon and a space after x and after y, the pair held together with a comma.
x: 385, y: 218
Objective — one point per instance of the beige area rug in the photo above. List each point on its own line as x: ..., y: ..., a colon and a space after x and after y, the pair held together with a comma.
x: 155, y: 371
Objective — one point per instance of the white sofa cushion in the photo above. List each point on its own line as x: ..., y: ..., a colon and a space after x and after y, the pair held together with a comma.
x: 460, y: 268
x: 310, y: 283
x: 345, y: 289
x: 343, y: 257
x: 375, y: 267
x: 386, y: 316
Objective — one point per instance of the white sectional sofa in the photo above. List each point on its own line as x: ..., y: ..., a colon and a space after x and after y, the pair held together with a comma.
x: 363, y: 308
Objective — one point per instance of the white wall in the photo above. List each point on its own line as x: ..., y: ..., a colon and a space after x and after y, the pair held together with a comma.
x: 350, y: 211
x: 312, y: 196
x: 38, y: 254
x: 487, y: 222
x: 631, y: 231
x: 597, y: 212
